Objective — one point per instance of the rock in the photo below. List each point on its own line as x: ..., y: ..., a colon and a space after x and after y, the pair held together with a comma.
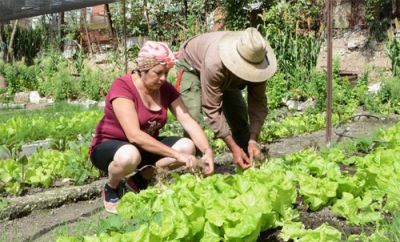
x: 292, y: 105
x: 356, y: 40
x: 21, y: 97
x: 3, y: 83
x: 341, y: 13
x: 50, y: 100
x: 89, y: 103
x: 11, y: 106
x: 34, y: 97
x: 100, y: 58
x: 101, y: 104
x: 29, y: 149
x: 374, y: 88
x: 4, y: 154
x: 306, y: 105
x: 297, y: 105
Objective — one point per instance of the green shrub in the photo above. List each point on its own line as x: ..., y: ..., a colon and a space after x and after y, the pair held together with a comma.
x: 276, y: 90
x: 19, y: 77
x: 393, y: 50
x: 66, y: 86
x: 95, y: 83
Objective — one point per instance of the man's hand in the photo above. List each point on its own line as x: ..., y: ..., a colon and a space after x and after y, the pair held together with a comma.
x: 240, y: 158
x: 254, y: 150
x: 207, y: 162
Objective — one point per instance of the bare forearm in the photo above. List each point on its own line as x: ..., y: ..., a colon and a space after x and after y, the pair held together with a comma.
x: 197, y: 135
x: 230, y: 142
x: 148, y: 143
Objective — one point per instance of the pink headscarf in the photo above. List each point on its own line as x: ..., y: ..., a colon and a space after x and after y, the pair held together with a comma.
x: 153, y: 53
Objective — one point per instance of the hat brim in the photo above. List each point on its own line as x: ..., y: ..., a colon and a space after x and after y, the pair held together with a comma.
x: 240, y: 67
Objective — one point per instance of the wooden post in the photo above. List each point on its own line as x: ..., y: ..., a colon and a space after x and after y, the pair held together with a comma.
x: 124, y: 30
x: 61, y: 30
x: 83, y: 18
x: 2, y: 56
x: 110, y: 26
x: 329, y: 101
x: 10, y: 49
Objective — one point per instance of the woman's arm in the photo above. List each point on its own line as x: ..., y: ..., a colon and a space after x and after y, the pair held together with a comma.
x: 126, y: 114
x: 195, y: 132
x: 190, y: 125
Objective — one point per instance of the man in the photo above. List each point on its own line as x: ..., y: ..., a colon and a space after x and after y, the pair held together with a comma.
x: 213, y: 69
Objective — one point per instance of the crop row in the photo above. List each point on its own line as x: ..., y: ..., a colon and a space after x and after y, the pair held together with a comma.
x: 238, y: 207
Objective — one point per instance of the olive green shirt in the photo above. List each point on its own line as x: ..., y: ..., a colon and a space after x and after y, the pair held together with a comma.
x: 201, y: 52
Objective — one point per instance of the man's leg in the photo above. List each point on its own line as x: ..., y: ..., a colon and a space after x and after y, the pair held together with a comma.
x: 236, y: 114
x: 190, y: 92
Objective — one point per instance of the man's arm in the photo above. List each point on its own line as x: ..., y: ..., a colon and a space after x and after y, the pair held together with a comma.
x: 211, y: 93
x: 258, y: 108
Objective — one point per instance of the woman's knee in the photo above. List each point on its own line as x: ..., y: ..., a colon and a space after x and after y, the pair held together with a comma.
x: 185, y: 145
x: 127, y: 156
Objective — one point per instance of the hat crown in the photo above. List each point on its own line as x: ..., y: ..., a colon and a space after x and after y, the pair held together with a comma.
x: 251, y: 46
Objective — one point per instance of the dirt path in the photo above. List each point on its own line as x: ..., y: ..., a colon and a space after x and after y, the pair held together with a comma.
x: 45, y: 225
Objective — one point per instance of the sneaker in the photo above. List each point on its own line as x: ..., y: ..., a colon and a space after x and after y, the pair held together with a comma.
x: 110, y: 199
x: 121, y: 189
x: 136, y: 183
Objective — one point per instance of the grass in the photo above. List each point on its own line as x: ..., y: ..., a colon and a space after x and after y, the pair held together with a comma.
x: 393, y: 228
x: 60, y: 107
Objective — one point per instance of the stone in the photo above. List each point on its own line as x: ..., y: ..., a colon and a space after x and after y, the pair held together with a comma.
x: 34, y: 97
x: 341, y: 13
x: 101, y: 104
x: 356, y: 40
x: 306, y: 105
x: 29, y: 149
x: 292, y: 105
x: 374, y: 88
x: 21, y: 97
x: 89, y: 103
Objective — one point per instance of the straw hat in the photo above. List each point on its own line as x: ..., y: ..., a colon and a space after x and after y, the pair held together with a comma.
x: 248, y: 55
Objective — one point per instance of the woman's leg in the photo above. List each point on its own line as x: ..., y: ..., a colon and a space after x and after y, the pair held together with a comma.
x: 125, y: 161
x: 184, y: 145
x: 140, y: 180
x: 116, y: 158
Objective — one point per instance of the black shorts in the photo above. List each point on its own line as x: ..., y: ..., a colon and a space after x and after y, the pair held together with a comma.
x: 103, y: 154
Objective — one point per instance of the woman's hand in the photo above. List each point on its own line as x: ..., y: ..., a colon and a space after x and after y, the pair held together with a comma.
x: 207, y: 162
x: 188, y: 160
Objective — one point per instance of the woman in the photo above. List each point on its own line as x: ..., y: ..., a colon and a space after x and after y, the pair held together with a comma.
x: 127, y: 137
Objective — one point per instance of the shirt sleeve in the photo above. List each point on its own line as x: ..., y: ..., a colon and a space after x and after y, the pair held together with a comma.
x: 120, y: 89
x: 171, y: 93
x: 257, y: 105
x: 211, y: 94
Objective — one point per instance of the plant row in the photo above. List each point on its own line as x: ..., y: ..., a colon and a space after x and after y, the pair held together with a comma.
x: 58, y: 126
x: 238, y: 207
x: 43, y: 168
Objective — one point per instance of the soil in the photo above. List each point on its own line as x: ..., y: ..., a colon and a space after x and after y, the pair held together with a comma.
x: 45, y: 224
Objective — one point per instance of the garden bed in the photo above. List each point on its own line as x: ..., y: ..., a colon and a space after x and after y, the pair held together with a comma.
x: 45, y: 220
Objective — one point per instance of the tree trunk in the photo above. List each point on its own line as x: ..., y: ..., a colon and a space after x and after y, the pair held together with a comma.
x: 83, y: 19
x: 110, y: 26
x: 395, y: 9
x: 10, y: 49
x: 146, y: 14
x: 2, y: 52
x: 185, y: 11
x: 61, y: 24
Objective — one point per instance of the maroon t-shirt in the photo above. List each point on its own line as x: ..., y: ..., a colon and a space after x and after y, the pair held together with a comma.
x: 150, y: 121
